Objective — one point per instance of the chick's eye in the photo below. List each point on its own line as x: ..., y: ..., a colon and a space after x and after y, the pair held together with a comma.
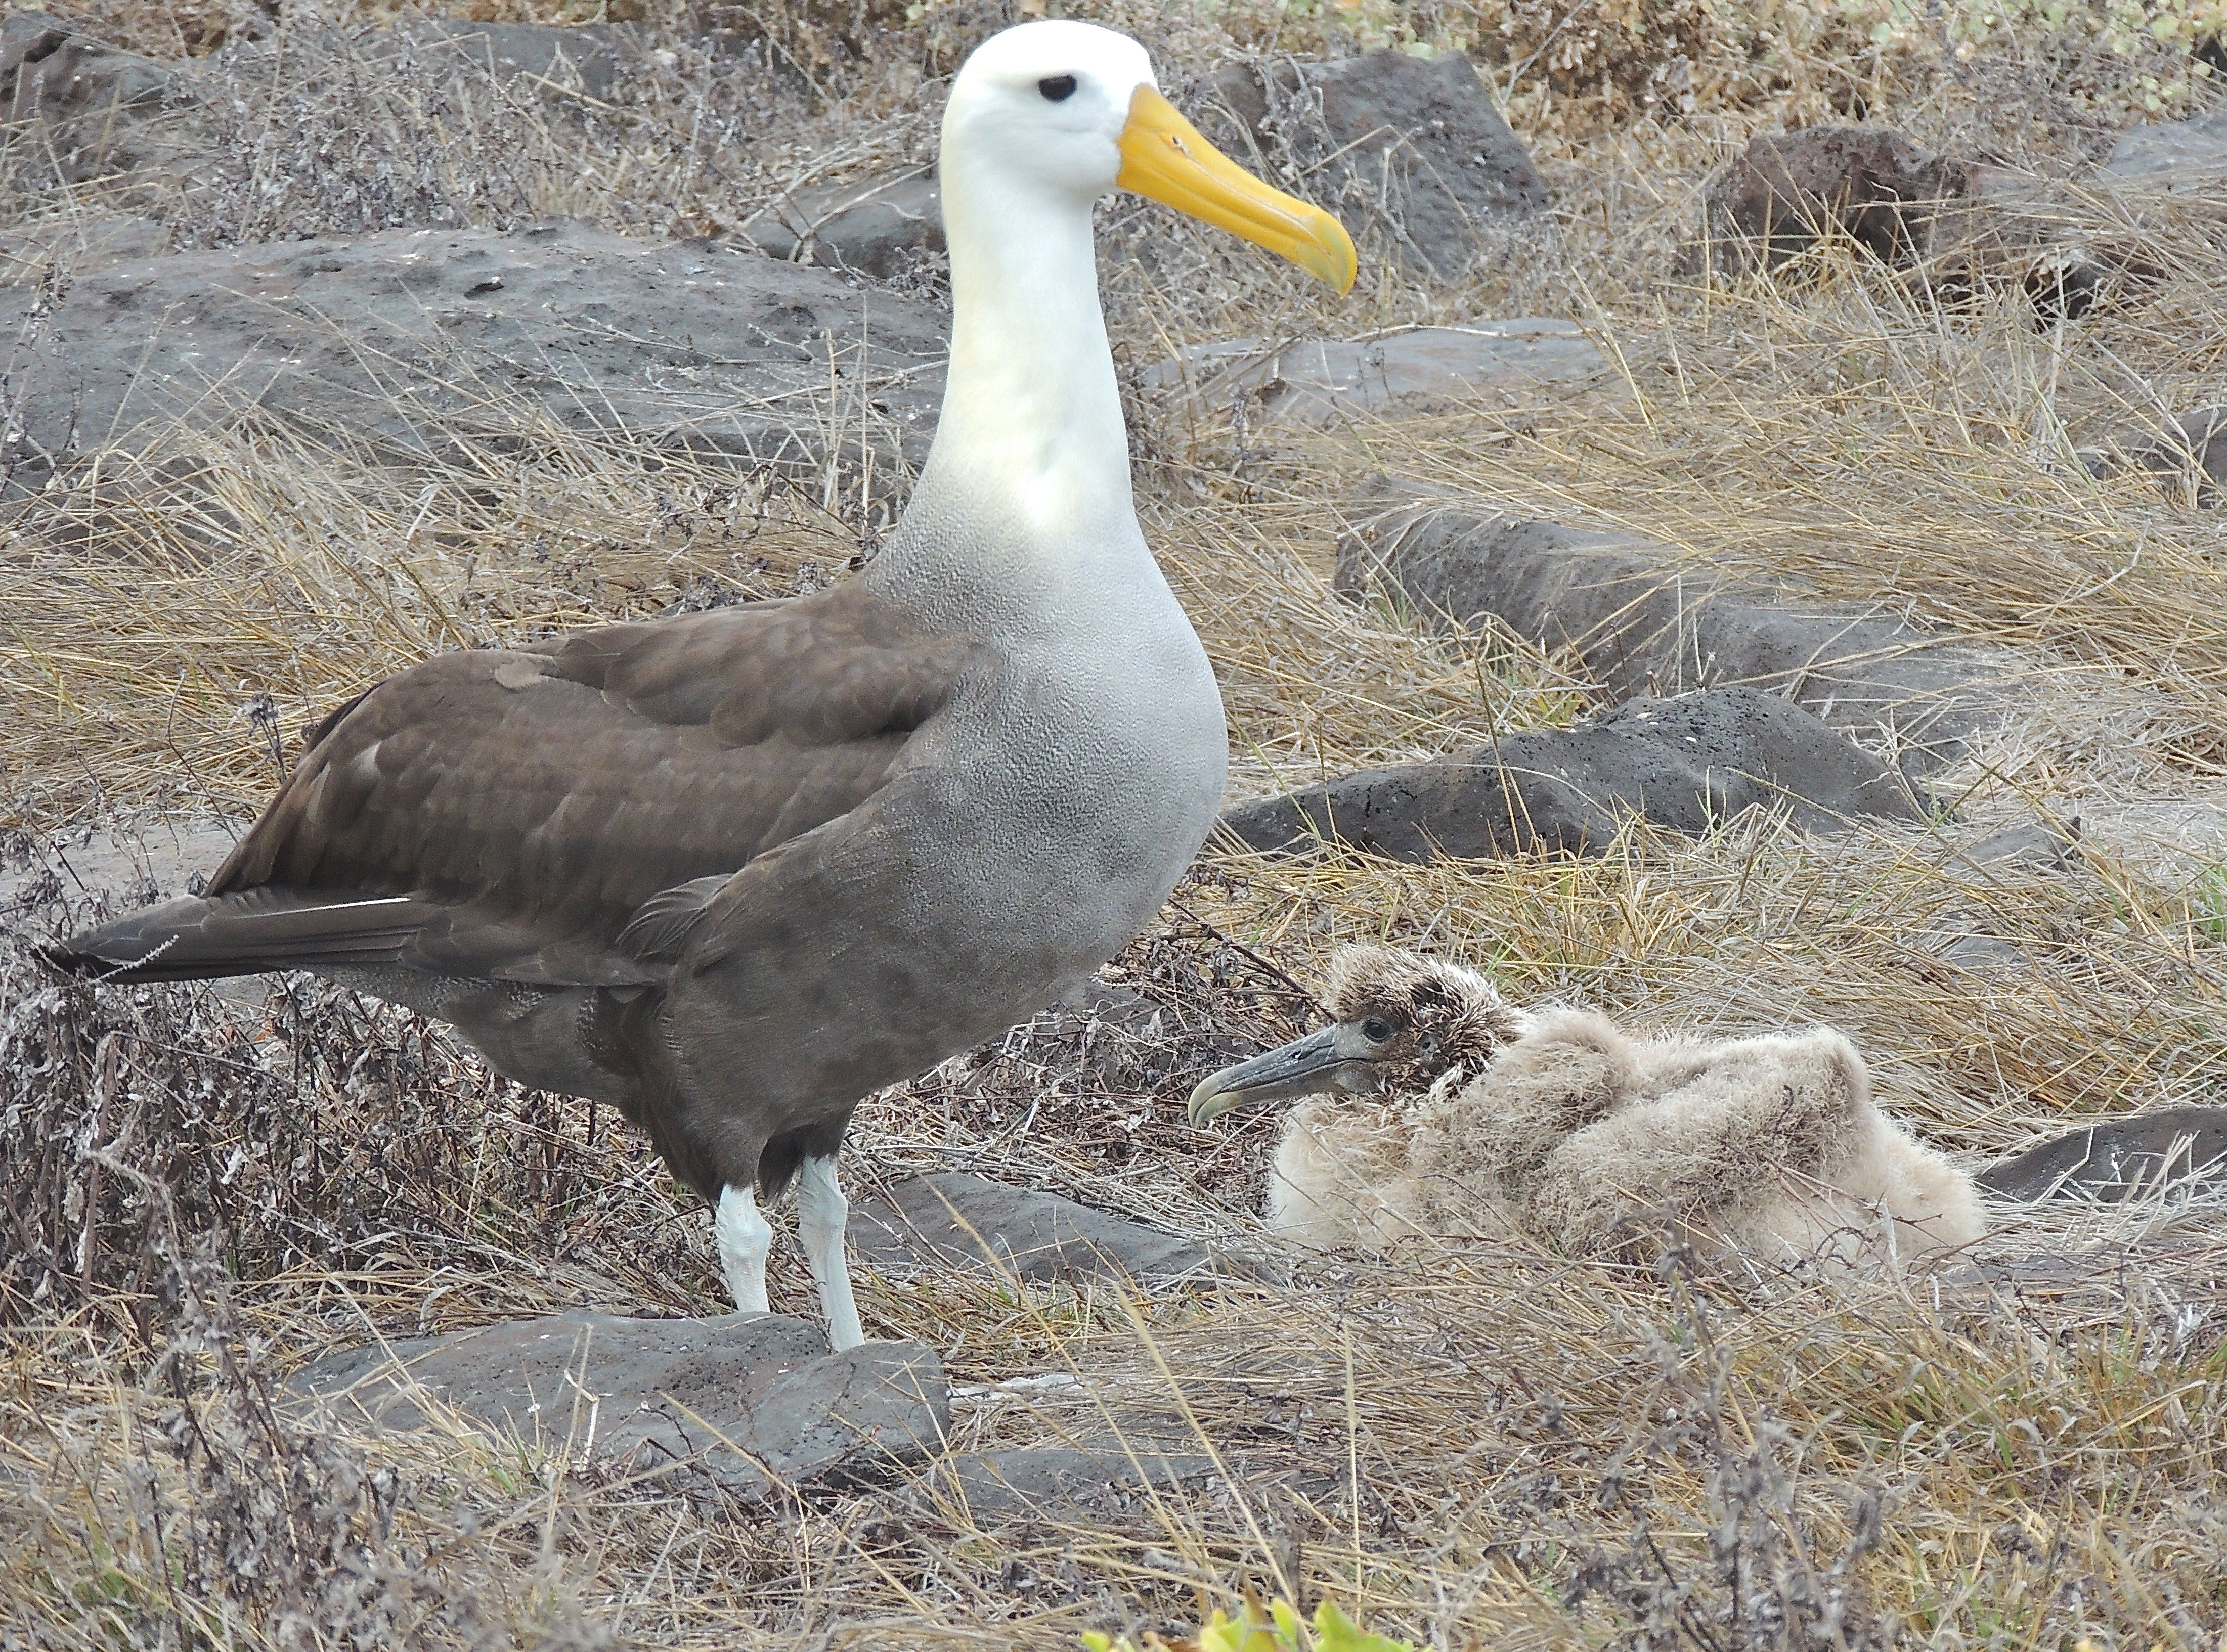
x: 1058, y: 87
x: 1376, y: 1030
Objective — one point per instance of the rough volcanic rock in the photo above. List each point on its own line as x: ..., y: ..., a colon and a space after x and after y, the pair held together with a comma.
x: 1758, y: 749
x: 70, y: 246
x: 635, y: 1395
x: 1645, y: 622
x: 954, y: 1219
x: 1976, y: 226
x: 81, y: 108
x: 1409, y: 152
x: 2074, y: 1287
x: 882, y: 227
x: 1319, y: 381
x: 1687, y: 765
x: 2173, y: 155
x: 2043, y: 846
x: 152, y: 859
x: 403, y: 336
x: 2183, y: 1149
x: 581, y: 58
x: 1869, y: 184
x: 2189, y: 456
x: 78, y: 109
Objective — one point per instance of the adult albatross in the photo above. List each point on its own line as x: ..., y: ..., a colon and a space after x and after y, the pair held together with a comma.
x: 735, y: 871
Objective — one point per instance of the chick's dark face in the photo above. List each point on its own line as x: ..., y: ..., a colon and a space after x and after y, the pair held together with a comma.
x: 1399, y: 1023
x: 1387, y: 1044
x: 1405, y: 1042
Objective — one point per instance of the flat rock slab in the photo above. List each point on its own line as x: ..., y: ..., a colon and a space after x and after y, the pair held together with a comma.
x: 27, y: 251
x: 757, y: 1398
x: 81, y: 109
x: 2178, y: 1150
x: 1867, y: 183
x: 1409, y: 152
x: 2188, y: 455
x: 1321, y: 381
x: 580, y: 58
x: 89, y: 111
x: 883, y: 226
x: 148, y: 860
x: 407, y: 337
x: 2093, y: 1286
x: 1051, y: 1482
x: 956, y: 1219
x: 1687, y: 765
x: 2173, y: 155
x: 1644, y: 621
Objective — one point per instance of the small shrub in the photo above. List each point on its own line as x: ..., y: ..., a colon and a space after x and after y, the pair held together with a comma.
x: 1276, y: 1626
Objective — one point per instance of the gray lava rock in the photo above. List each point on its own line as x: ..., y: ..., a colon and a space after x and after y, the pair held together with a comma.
x: 1966, y: 944
x: 1051, y: 1482
x: 400, y: 335
x: 1686, y: 764
x: 1975, y: 225
x: 1871, y: 185
x: 2183, y: 1149
x: 2089, y: 1282
x: 880, y: 227
x: 1319, y: 381
x: 582, y: 58
x: 2173, y: 155
x: 1968, y: 939
x: 954, y: 1219
x: 2040, y: 845
x: 757, y: 1398
x: 27, y: 251
x: 1758, y: 749
x: 1644, y: 624
x: 1409, y: 151
x: 79, y: 109
x: 153, y: 859
x: 2189, y: 456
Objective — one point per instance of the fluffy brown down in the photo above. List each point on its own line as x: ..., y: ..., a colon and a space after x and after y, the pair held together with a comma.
x: 1581, y: 1136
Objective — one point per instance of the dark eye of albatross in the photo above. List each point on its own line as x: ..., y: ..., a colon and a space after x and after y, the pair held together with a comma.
x: 1058, y: 87
x: 1376, y: 1030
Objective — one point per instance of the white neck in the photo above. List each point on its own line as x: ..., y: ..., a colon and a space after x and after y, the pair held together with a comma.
x: 1030, y: 445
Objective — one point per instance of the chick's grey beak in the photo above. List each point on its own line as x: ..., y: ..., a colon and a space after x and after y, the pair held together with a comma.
x: 1306, y: 1066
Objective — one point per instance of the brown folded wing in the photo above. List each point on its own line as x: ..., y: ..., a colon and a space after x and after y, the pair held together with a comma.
x: 545, y: 808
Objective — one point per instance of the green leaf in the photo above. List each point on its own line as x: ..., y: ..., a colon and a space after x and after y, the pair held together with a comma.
x: 1336, y: 1632
x: 1276, y: 1628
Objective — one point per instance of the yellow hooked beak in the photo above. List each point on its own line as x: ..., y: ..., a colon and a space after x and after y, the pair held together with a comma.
x: 1164, y: 156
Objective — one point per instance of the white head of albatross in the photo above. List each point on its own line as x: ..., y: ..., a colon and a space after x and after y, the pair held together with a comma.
x: 735, y: 871
x: 1030, y: 451
x: 1493, y: 1119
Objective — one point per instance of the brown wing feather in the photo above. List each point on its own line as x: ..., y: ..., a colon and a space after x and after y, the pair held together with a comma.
x: 540, y: 799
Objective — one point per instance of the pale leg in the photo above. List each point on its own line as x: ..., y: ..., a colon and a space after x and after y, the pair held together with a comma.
x: 743, y: 1237
x: 823, y: 1215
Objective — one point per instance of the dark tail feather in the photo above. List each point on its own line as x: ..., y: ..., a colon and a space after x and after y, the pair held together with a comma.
x: 247, y: 934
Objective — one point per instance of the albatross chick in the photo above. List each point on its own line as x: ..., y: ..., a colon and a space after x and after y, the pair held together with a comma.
x: 733, y: 871
x: 1434, y: 1107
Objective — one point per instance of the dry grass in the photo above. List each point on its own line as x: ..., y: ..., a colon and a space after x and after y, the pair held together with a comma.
x: 1488, y: 1447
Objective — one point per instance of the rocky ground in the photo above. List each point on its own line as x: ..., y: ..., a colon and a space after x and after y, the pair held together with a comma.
x: 1746, y: 556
